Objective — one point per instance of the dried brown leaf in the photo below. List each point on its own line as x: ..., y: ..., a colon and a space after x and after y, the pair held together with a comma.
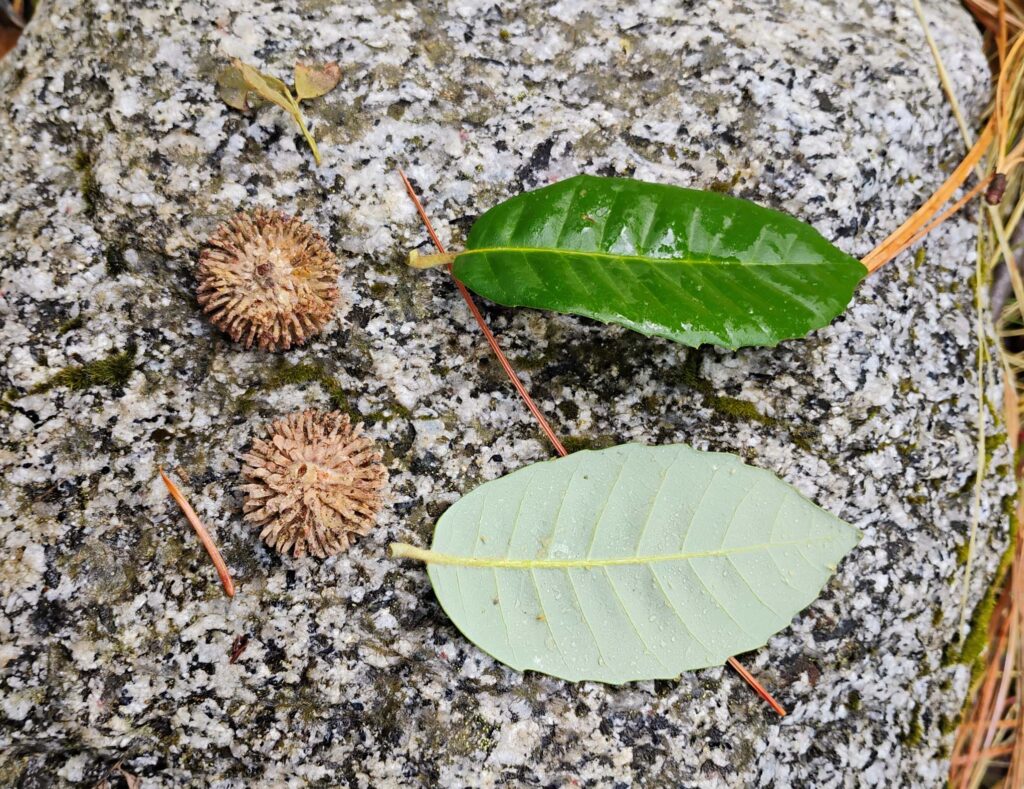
x: 314, y: 81
x: 232, y: 88
x: 238, y: 82
x: 267, y: 87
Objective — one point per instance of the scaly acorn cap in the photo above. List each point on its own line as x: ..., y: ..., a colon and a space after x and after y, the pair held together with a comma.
x: 267, y: 279
x: 314, y: 484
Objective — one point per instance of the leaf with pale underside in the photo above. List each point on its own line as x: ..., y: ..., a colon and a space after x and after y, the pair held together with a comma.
x: 630, y: 563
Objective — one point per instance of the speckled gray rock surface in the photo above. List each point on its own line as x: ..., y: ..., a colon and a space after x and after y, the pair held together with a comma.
x: 118, y: 159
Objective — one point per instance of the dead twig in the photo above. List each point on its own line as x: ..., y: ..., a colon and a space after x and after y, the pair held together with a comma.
x: 901, y: 238
x: 488, y: 334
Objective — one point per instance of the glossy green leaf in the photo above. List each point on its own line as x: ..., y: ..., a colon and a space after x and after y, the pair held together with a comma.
x: 695, y: 267
x: 630, y: 563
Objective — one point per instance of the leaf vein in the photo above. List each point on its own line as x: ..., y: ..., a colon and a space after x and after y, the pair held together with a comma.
x: 675, y: 610
x: 604, y: 508
x: 586, y: 620
x: 718, y: 602
x: 694, y: 261
x: 654, y: 503
x: 547, y: 623
x: 501, y: 613
x: 753, y: 591
x: 629, y: 618
x: 435, y: 557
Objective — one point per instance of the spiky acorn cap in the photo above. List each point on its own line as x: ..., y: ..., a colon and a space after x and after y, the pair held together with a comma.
x: 314, y: 484
x: 267, y: 279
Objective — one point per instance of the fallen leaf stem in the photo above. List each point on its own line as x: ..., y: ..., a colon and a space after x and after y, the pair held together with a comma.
x: 402, y: 550
x: 898, y: 239
x: 934, y: 223
x: 416, y: 260
x: 297, y: 114
x: 202, y: 533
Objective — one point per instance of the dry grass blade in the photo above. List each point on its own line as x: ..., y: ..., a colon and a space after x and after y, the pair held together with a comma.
x: 995, y: 144
x: 1015, y: 775
x: 992, y: 729
x: 8, y: 38
x: 203, y: 534
x: 987, y: 13
x: 989, y: 746
x: 15, y: 13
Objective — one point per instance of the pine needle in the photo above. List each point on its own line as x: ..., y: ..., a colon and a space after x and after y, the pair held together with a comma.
x: 203, y: 534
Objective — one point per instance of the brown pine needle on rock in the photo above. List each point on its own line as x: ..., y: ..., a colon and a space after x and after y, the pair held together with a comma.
x: 202, y: 533
x: 542, y: 421
x: 989, y: 746
x: 993, y: 141
x: 978, y: 189
x: 900, y: 238
x: 492, y: 341
x: 758, y: 688
x: 988, y: 13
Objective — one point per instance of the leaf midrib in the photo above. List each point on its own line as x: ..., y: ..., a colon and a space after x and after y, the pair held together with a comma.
x: 436, y: 557
x: 641, y: 258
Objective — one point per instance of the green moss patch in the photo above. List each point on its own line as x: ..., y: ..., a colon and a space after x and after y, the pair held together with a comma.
x: 915, y: 731
x: 973, y: 649
x: 733, y: 408
x: 312, y: 372
x: 88, y: 185
x: 116, y: 264
x: 577, y: 443
x: 112, y: 371
x: 725, y: 186
x: 305, y: 373
x: 8, y: 396
x: 71, y: 324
